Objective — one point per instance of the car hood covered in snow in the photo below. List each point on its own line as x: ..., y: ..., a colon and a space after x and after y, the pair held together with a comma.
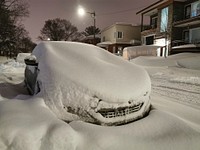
x: 75, y: 73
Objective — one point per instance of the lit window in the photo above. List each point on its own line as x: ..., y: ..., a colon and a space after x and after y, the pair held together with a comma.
x: 195, y: 9
x: 164, y: 19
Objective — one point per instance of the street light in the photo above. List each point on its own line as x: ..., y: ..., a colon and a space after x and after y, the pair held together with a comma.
x: 81, y: 12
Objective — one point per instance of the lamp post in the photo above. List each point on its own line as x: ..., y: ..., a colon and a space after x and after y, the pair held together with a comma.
x: 82, y: 12
x: 93, y: 15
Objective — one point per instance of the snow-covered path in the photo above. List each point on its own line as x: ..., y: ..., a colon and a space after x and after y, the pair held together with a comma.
x: 184, y: 89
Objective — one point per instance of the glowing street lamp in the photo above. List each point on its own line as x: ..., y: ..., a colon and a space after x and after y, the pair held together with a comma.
x: 82, y: 12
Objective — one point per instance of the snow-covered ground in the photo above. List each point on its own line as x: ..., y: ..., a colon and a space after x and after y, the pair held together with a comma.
x: 26, y: 123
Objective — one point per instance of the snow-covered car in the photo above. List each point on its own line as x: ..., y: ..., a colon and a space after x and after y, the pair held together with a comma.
x: 83, y: 82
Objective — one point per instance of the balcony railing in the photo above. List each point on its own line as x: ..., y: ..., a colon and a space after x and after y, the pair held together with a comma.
x: 150, y: 27
x: 187, y: 21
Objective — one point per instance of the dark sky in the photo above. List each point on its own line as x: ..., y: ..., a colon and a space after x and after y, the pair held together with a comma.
x: 108, y: 12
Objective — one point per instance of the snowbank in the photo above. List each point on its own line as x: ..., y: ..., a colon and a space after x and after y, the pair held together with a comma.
x: 30, y: 125
x: 11, y: 66
x: 187, y: 60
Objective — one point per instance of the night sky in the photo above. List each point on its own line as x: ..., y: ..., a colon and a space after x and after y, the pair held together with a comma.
x: 108, y: 12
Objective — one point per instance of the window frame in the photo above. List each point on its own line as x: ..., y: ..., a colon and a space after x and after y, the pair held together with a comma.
x: 119, y: 35
x: 185, y: 11
x: 154, y: 21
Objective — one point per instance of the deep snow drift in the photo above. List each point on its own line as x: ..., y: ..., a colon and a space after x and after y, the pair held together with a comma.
x: 27, y: 124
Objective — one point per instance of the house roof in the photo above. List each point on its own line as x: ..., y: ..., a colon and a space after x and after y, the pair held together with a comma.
x: 119, y: 23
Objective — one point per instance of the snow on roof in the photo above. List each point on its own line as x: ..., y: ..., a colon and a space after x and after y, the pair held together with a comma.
x: 135, y: 51
x: 104, y: 44
x: 92, y: 36
x: 120, y: 23
x: 143, y: 47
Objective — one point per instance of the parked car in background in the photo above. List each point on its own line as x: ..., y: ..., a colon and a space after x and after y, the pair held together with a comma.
x: 83, y: 82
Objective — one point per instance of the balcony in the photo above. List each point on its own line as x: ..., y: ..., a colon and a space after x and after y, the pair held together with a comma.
x: 187, y: 22
x: 146, y: 30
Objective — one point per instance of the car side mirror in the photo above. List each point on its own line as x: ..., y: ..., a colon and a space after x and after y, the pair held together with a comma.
x: 31, y: 61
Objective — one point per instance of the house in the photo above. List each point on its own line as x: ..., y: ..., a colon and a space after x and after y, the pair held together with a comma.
x: 172, y: 23
x: 119, y: 35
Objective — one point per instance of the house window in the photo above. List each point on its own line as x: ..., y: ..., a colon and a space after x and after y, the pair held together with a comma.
x: 164, y: 19
x: 195, y: 9
x: 187, y: 11
x: 154, y: 22
x: 118, y: 35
